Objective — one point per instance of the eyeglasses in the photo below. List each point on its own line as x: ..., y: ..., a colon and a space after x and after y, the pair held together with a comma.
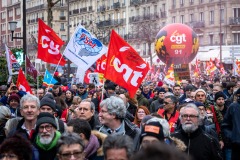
x: 200, y: 95
x: 167, y: 103
x: 69, y: 155
x: 8, y: 156
x: 186, y: 116
x: 47, y: 127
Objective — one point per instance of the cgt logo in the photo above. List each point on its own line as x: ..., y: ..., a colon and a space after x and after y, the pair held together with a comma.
x: 48, y: 43
x: 178, y: 38
x: 128, y: 72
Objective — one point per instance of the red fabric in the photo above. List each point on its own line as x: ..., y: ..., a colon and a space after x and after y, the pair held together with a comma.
x: 22, y: 83
x: 172, y: 121
x: 49, y: 45
x: 101, y: 64
x: 86, y: 77
x: 31, y: 70
x: 124, y: 65
x: 64, y: 115
x: 215, y: 120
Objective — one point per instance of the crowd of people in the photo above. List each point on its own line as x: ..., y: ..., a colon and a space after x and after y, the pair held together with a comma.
x: 83, y: 122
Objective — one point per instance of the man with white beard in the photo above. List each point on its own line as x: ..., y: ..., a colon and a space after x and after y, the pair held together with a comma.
x: 200, y: 145
x: 47, y: 136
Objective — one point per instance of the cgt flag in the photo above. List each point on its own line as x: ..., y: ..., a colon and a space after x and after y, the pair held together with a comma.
x: 22, y: 83
x: 49, y: 45
x: 124, y: 65
x: 31, y: 70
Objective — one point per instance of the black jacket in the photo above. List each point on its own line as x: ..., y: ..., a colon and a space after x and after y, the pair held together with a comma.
x: 200, y: 145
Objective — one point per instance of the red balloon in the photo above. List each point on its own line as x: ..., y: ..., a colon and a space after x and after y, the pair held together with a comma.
x: 176, y: 43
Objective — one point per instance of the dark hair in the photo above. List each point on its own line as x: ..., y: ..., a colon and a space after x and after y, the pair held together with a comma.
x: 17, y: 145
x: 173, y: 98
x: 80, y: 126
x: 116, y: 141
x: 230, y: 85
x: 160, y: 151
x: 69, y: 139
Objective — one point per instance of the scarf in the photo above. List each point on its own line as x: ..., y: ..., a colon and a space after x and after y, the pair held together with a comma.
x: 49, y: 146
x: 92, y: 146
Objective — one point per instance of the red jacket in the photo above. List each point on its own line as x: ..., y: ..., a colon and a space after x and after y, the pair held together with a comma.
x: 173, y: 121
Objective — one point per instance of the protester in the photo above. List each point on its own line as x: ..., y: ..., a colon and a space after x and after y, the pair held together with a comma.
x: 118, y: 147
x: 158, y: 103
x: 29, y: 108
x: 86, y: 111
x: 16, y: 148
x: 141, y: 112
x: 112, y: 118
x: 47, y: 136
x: 83, y: 129
x: 199, y: 144
x: 232, y: 120
x: 169, y: 112
x: 70, y: 146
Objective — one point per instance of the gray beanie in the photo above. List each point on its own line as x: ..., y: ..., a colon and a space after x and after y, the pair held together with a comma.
x: 45, y: 101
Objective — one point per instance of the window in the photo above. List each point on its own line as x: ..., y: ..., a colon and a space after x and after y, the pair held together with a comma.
x: 201, y: 16
x: 201, y: 40
x: 61, y: 13
x: 211, y: 18
x: 191, y: 17
x: 3, y: 15
x: 173, y: 19
x: 222, y: 15
x: 18, y: 11
x: 191, y: 2
x: 182, y: 19
x: 181, y: 3
x: 173, y: 4
x: 62, y: 27
x: 221, y: 39
x: 10, y: 13
x: 236, y: 12
x: 201, y: 1
x: 236, y: 38
x: 211, y: 39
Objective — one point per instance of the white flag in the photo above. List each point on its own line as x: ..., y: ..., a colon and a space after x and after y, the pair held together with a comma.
x: 84, y: 49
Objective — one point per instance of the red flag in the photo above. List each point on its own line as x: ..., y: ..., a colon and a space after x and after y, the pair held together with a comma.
x: 49, y: 45
x: 31, y: 70
x: 22, y: 83
x: 86, y: 76
x: 101, y: 64
x: 124, y: 66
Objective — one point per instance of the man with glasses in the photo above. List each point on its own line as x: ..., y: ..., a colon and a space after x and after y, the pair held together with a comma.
x: 81, y: 91
x: 70, y: 147
x: 169, y: 111
x: 47, y: 136
x: 199, y: 144
x: 86, y: 111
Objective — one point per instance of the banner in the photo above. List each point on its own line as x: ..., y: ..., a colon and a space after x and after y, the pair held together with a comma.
x: 124, y: 65
x: 84, y: 49
x: 13, y: 65
x: 49, y: 45
x: 181, y: 72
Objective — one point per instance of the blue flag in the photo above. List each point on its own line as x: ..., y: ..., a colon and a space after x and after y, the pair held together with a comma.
x: 48, y: 79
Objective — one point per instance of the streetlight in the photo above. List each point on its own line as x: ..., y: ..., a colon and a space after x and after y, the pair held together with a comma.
x: 13, y: 26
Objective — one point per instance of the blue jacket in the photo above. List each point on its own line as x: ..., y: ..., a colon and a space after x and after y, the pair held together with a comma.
x: 232, y: 118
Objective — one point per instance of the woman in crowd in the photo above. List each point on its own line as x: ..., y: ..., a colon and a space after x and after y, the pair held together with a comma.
x: 141, y: 112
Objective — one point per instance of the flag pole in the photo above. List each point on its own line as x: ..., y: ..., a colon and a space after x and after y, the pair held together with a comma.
x: 56, y: 67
